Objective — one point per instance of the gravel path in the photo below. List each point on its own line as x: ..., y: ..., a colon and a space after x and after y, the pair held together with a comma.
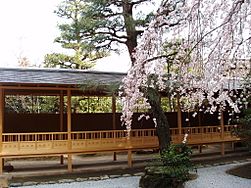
x: 209, y: 177
x: 216, y: 177
x: 122, y: 182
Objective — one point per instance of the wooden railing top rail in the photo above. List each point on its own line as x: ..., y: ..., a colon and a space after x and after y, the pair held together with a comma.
x: 133, y: 130
x: 77, y: 132
x: 50, y: 136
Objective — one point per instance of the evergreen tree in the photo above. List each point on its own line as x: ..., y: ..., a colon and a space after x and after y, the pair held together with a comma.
x: 94, y: 28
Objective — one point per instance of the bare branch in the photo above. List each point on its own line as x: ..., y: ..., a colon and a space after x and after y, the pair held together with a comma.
x: 234, y: 10
x: 138, y: 2
x: 160, y: 57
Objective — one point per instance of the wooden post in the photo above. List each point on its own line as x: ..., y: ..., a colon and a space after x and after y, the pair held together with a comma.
x: 129, y: 146
x: 199, y: 118
x: 129, y: 158
x: 222, y: 134
x: 233, y: 146
x: 199, y: 122
x: 69, y: 130
x: 61, y: 113
x: 1, y: 126
x: 222, y: 148
x: 114, y: 120
x: 200, y: 148
x: 179, y: 116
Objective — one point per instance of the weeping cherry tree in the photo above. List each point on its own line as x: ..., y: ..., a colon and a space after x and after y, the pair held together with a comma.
x: 213, y: 40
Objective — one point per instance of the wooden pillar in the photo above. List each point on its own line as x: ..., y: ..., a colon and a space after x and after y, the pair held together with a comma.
x: 129, y: 146
x: 61, y: 113
x: 1, y: 126
x: 129, y: 159
x: 179, y: 116
x: 199, y: 123
x: 233, y: 146
x: 114, y: 120
x: 199, y: 118
x: 222, y: 148
x: 222, y: 134
x: 200, y: 148
x: 69, y: 158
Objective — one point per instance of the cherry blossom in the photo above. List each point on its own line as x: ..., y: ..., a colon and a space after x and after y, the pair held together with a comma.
x: 212, y: 55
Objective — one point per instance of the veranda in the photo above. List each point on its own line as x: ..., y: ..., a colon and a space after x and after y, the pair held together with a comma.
x: 68, y: 133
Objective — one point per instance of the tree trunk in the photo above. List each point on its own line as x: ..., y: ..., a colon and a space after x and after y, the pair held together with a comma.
x: 130, y: 27
x: 153, y: 96
x: 162, y: 125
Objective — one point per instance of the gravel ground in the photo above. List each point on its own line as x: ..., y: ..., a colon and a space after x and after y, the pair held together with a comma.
x: 209, y: 177
x: 122, y: 182
x: 216, y: 177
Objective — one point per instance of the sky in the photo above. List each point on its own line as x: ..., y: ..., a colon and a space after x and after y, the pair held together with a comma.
x: 28, y: 29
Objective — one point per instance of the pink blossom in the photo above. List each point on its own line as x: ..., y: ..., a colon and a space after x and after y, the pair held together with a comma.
x: 214, y: 45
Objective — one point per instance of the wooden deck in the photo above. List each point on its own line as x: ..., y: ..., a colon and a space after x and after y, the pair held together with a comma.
x: 36, y: 83
x: 52, y: 143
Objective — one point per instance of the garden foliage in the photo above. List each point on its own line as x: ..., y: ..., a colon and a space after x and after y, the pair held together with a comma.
x: 172, y: 169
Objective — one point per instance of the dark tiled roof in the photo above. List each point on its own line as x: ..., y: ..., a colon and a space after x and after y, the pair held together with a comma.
x: 57, y: 76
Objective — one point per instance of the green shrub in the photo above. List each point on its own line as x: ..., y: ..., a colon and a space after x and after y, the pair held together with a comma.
x: 170, y: 170
x: 245, y: 130
x: 176, y: 161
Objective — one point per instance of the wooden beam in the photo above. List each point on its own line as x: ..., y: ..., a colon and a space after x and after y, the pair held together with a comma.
x: 222, y: 133
x: 179, y: 116
x: 69, y: 163
x: 114, y: 112
x: 1, y: 126
x: 222, y: 124
x: 222, y: 148
x: 200, y: 148
x: 199, y: 118
x: 39, y: 88
x: 129, y: 158
x: 114, y: 120
x: 69, y: 114
x: 233, y: 146
x: 61, y: 111
x: 69, y: 129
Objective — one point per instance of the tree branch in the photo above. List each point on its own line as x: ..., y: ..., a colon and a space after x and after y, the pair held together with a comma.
x: 160, y: 57
x: 138, y: 2
x: 219, y: 26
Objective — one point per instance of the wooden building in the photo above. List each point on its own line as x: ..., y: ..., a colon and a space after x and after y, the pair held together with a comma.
x: 68, y: 133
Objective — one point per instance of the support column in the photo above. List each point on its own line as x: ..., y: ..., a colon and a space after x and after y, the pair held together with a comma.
x: 233, y: 146
x: 129, y: 146
x: 1, y: 126
x: 114, y: 120
x: 69, y: 130
x: 179, y: 116
x: 222, y: 148
x: 129, y: 158
x: 222, y: 134
x: 200, y: 148
x: 61, y: 113
x: 199, y: 122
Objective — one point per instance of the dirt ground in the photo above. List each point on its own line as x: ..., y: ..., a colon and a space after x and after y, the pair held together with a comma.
x: 100, y: 165
x: 243, y: 171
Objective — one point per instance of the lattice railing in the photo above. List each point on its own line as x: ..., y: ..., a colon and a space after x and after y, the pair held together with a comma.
x: 86, y: 135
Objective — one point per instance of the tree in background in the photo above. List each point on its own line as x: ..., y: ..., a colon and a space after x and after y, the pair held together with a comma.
x: 98, y: 27
x: 244, y: 131
x: 94, y: 28
x: 81, y: 54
